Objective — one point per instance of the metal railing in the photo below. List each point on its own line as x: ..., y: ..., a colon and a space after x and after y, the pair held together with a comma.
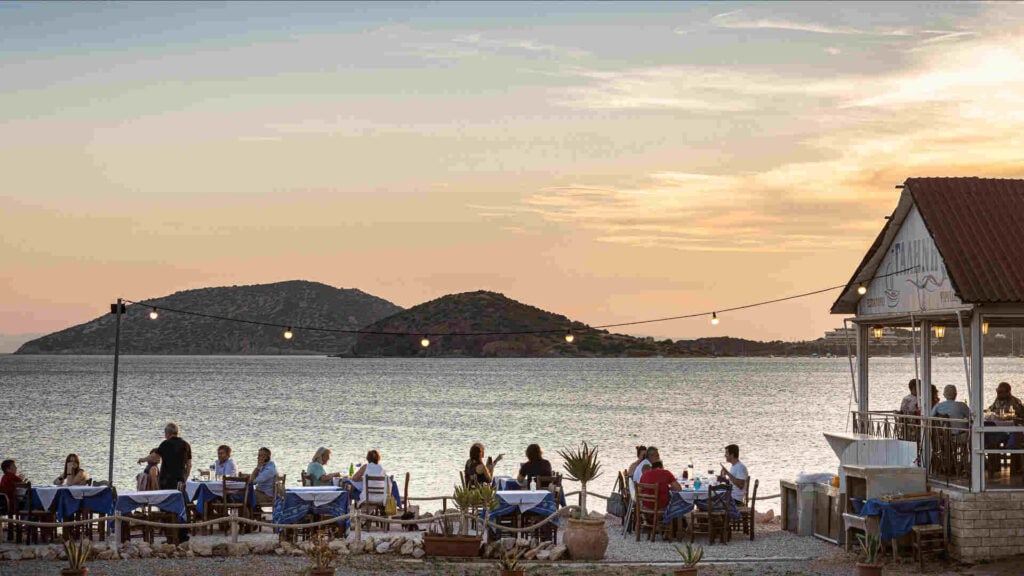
x: 943, y: 444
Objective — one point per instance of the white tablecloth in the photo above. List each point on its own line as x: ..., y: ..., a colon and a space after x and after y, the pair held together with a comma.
x: 502, y: 481
x: 48, y: 493
x: 151, y: 497
x: 318, y: 495
x: 524, y: 499
x: 690, y: 495
x: 217, y: 487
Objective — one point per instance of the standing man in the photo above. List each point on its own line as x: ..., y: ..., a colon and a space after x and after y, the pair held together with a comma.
x: 224, y: 466
x: 175, y: 458
x: 737, y: 473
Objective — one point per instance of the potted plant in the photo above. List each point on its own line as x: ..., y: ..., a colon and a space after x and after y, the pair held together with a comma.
x: 508, y: 564
x: 77, y: 552
x: 691, y: 555
x: 870, y: 544
x: 444, y: 538
x: 320, y: 556
x: 585, y: 539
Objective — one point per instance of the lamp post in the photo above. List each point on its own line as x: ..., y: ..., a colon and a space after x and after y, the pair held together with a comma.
x: 117, y: 310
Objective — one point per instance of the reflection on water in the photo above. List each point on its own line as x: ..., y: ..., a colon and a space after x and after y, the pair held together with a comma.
x: 422, y: 414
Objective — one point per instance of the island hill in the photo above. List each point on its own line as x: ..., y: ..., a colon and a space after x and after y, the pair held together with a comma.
x: 302, y: 303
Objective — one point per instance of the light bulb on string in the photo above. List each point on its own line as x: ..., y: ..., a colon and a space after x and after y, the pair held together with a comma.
x: 714, y: 319
x: 569, y: 337
x: 425, y: 342
x: 288, y: 334
x: 153, y: 314
x: 862, y: 290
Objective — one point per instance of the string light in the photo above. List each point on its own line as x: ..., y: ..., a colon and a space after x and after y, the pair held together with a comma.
x: 153, y: 314
x: 984, y: 328
x: 714, y: 318
x: 862, y: 290
x: 940, y: 331
x: 877, y: 330
x: 569, y: 337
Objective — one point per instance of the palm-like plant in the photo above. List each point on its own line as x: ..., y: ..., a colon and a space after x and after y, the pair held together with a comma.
x: 78, y: 552
x: 509, y: 557
x: 691, y: 555
x: 581, y: 465
x: 464, y: 499
x: 320, y: 554
x: 871, y: 545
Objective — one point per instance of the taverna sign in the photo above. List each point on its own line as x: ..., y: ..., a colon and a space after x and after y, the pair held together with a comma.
x: 912, y: 276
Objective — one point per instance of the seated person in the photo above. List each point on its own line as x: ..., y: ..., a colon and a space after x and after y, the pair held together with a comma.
x: 73, y: 474
x: 534, y: 466
x: 478, y: 472
x: 657, y: 474
x: 263, y: 478
x: 149, y: 479
x: 737, y: 473
x: 316, y: 472
x: 910, y: 406
x: 371, y: 468
x: 641, y: 462
x: 643, y: 465
x: 224, y: 466
x: 950, y: 408
x: 8, y: 485
x: 1005, y: 403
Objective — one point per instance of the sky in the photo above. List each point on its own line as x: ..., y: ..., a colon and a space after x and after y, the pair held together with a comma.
x: 607, y: 161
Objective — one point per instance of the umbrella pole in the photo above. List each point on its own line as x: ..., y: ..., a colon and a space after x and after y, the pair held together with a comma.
x: 117, y: 310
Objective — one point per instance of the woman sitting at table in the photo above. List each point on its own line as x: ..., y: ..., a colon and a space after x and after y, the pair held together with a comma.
x: 316, y: 472
x: 534, y: 466
x: 477, y: 472
x: 73, y: 474
x: 149, y: 479
x: 371, y: 468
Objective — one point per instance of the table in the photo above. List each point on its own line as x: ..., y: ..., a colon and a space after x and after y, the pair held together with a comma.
x: 166, y: 500
x: 204, y: 491
x: 682, y: 502
x: 66, y: 501
x: 507, y: 483
x: 299, y: 501
x: 897, y: 518
x: 346, y: 482
x: 538, y: 501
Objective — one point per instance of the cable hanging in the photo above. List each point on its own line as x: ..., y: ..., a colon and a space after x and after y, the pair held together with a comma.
x: 290, y: 329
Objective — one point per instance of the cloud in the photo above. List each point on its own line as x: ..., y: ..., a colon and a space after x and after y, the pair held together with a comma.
x: 740, y: 20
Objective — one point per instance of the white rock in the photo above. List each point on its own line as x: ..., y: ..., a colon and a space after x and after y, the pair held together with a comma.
x: 407, y: 548
x: 543, y: 554
x: 338, y: 545
x: 201, y: 548
x: 558, y: 552
x: 383, y: 547
x: 418, y: 553
x: 28, y: 554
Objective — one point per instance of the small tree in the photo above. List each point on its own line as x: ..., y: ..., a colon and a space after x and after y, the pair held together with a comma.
x: 582, y: 465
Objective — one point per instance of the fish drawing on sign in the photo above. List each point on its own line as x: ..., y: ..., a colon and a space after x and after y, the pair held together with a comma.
x: 892, y: 295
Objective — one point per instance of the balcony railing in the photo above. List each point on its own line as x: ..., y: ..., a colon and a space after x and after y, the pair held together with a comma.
x: 943, y: 444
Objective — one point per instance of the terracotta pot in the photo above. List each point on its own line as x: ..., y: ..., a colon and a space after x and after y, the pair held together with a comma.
x: 322, y: 572
x: 686, y: 571
x: 586, y: 539
x: 457, y: 546
x: 519, y: 572
x: 83, y: 571
x: 869, y: 569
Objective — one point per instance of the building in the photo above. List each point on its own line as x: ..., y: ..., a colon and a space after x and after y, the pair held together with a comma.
x: 950, y: 255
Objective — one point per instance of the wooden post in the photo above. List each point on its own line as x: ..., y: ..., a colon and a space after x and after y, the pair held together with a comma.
x: 862, y: 367
x: 234, y: 528
x: 117, y: 529
x: 977, y: 402
x: 358, y: 528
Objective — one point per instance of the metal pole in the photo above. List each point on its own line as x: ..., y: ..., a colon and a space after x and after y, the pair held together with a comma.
x: 113, y: 398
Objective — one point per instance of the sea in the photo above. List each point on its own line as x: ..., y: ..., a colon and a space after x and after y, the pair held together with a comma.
x: 422, y: 414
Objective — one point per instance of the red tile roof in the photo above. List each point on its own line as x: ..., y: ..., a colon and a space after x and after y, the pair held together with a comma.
x: 978, y: 228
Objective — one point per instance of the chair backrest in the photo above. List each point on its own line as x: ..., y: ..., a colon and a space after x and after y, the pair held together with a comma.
x: 204, y: 475
x: 647, y: 497
x: 375, y: 489
x: 405, y: 494
x: 719, y: 496
x: 234, y: 489
x: 753, y: 499
x: 23, y: 490
x: 462, y: 478
x: 307, y: 480
x: 279, y: 486
x: 632, y: 489
x: 544, y: 482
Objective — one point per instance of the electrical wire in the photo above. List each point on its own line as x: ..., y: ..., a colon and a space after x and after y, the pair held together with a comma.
x: 560, y: 330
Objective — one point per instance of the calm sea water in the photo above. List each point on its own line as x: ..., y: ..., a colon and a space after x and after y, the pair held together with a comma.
x: 423, y: 414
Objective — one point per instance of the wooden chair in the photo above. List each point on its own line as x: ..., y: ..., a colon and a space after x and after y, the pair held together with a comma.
x: 648, y: 515
x: 627, y: 490
x: 552, y: 483
x: 374, y: 496
x: 192, y: 512
x: 549, y: 531
x: 85, y: 513
x: 713, y: 522
x: 931, y: 538
x: 233, y: 498
x: 26, y: 512
x: 746, y: 521
x: 131, y: 530
x: 306, y: 479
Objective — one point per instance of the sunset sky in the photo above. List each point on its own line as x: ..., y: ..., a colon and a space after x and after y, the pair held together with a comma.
x: 610, y: 162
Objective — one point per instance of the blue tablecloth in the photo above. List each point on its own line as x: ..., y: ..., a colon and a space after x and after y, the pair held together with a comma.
x: 546, y: 507
x: 66, y: 506
x: 173, y: 503
x: 204, y: 495
x: 292, y: 509
x: 677, y: 507
x: 897, y: 518
x: 513, y: 484
x: 356, y: 492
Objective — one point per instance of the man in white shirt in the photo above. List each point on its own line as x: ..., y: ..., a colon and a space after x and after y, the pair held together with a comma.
x: 224, y: 466
x: 910, y: 405
x: 737, y: 473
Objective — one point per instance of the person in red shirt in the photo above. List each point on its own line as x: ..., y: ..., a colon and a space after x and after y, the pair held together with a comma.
x: 665, y: 479
x: 8, y: 484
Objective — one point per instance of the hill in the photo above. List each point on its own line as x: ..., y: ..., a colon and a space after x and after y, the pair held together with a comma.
x: 297, y: 301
